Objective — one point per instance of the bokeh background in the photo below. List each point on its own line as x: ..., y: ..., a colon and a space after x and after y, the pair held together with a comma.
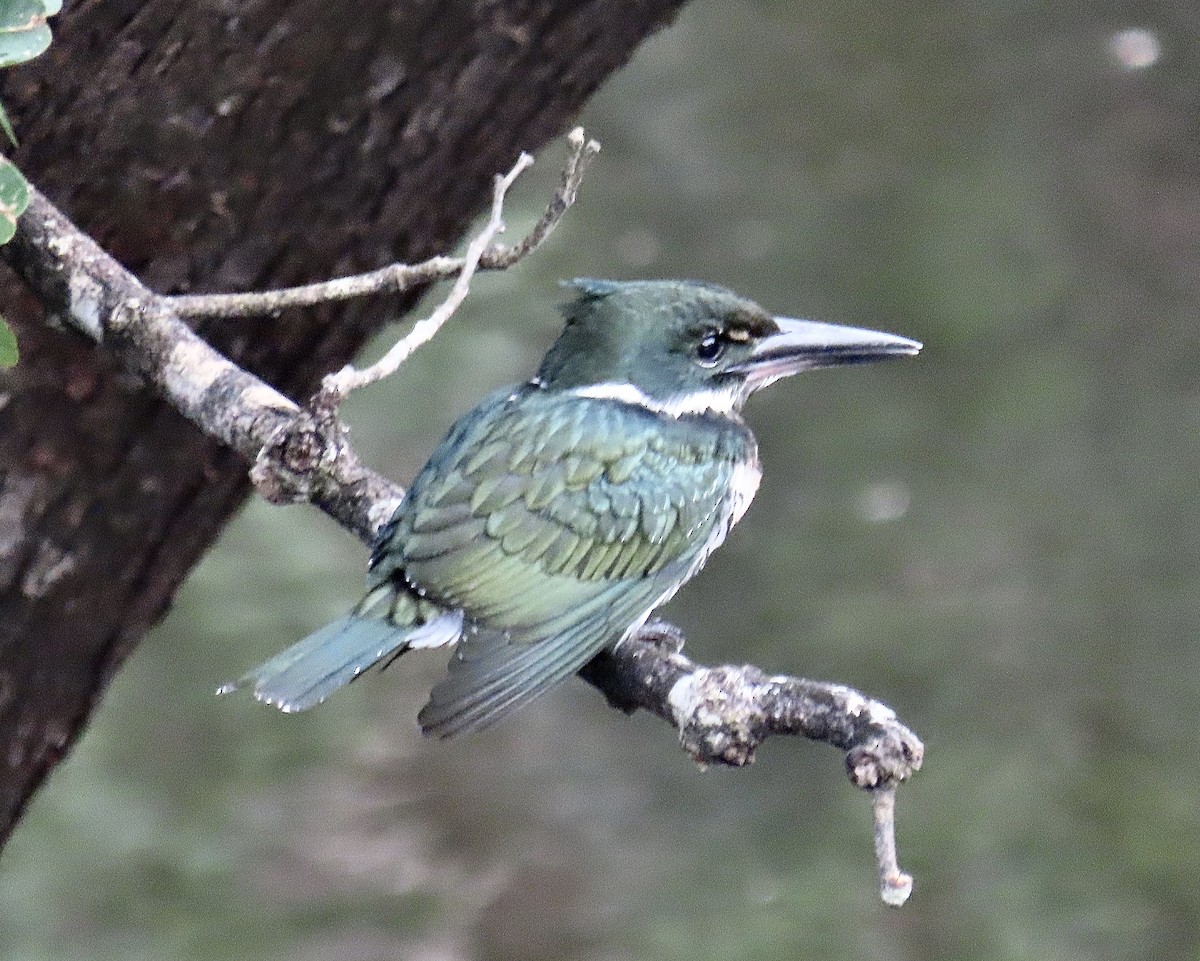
x: 999, y: 539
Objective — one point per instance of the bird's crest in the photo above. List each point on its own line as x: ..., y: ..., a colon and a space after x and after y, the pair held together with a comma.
x: 592, y: 288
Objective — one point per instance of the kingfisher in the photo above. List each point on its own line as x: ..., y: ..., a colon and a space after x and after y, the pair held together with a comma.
x: 557, y: 515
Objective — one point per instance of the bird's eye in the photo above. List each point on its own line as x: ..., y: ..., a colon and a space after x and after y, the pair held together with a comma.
x: 710, y: 348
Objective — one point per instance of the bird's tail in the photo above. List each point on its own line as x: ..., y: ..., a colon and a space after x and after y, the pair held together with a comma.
x: 385, y: 624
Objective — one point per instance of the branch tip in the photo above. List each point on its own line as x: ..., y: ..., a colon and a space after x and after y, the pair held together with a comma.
x: 894, y: 885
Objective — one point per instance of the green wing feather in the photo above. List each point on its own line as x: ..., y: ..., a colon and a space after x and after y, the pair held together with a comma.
x: 491, y: 673
x: 555, y: 526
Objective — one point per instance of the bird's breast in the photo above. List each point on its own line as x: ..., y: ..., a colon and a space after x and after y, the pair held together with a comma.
x: 743, y: 485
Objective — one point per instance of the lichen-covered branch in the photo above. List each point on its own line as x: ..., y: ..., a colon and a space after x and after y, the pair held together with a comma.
x: 722, y: 713
x: 296, y: 455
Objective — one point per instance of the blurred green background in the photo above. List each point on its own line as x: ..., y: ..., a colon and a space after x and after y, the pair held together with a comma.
x: 998, y: 538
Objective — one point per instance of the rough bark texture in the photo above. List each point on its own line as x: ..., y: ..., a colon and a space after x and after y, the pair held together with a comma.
x: 230, y: 146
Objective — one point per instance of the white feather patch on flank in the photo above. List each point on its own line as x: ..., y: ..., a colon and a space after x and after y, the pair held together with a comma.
x: 442, y: 630
x: 716, y: 400
x: 743, y: 486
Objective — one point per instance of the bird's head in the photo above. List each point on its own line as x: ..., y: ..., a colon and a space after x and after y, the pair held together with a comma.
x: 688, y: 347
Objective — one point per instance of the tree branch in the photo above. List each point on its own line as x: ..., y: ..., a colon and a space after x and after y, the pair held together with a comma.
x: 722, y: 713
x: 398, y: 278
x: 351, y: 378
x: 295, y: 455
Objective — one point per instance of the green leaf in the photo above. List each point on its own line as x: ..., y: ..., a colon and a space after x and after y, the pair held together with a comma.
x: 16, y: 14
x: 52, y: 7
x: 8, y: 345
x: 14, y: 198
x: 23, y: 30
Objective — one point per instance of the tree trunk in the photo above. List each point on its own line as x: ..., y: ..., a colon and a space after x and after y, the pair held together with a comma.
x: 230, y: 146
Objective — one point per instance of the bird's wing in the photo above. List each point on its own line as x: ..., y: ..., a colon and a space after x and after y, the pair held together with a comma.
x: 555, y: 526
x: 493, y: 672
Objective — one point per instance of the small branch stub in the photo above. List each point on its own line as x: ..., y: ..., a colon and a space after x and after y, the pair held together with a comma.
x: 894, y: 885
x: 285, y: 466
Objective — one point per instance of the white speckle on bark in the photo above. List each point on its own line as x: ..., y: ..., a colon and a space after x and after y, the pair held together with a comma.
x: 86, y: 297
x: 192, y: 368
x: 18, y: 747
x: 262, y: 395
x: 50, y: 565
x: 56, y: 734
x: 381, y: 512
x: 18, y: 493
x: 857, y: 705
x: 685, y: 697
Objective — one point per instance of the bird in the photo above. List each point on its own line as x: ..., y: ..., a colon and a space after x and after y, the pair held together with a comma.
x: 558, y: 515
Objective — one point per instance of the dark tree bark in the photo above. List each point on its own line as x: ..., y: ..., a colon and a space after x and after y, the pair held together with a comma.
x: 230, y: 146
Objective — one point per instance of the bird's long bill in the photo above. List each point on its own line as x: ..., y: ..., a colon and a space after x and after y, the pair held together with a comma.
x: 805, y: 344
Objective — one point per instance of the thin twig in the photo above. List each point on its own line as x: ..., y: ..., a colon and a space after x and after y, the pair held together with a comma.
x: 392, y: 279
x: 398, y: 278
x: 351, y: 378
x: 582, y: 152
x: 894, y: 885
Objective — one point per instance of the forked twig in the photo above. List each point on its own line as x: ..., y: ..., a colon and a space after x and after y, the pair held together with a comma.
x: 351, y: 378
x: 397, y: 278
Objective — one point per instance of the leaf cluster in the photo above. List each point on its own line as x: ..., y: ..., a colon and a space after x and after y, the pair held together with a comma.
x: 24, y: 34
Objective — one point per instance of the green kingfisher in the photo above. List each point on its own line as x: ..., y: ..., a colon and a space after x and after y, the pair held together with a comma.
x: 556, y: 516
